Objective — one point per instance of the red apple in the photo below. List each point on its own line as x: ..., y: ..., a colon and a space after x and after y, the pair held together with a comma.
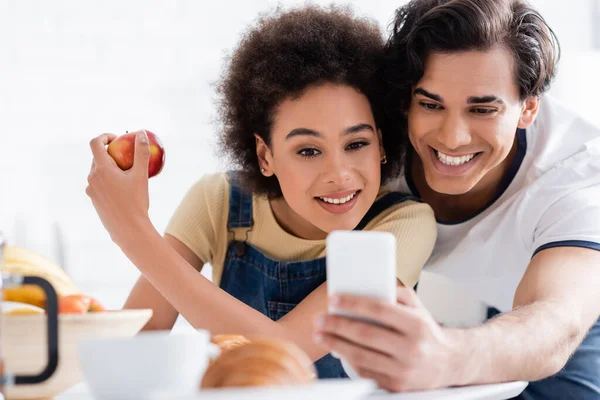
x: 122, y: 151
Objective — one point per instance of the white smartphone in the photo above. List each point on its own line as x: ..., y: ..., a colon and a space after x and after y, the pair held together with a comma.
x: 361, y: 263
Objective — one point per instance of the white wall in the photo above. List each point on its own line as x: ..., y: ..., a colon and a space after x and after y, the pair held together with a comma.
x: 573, y: 21
x: 74, y: 69
x: 70, y: 70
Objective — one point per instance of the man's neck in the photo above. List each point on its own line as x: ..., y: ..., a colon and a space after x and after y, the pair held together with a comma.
x: 455, y: 208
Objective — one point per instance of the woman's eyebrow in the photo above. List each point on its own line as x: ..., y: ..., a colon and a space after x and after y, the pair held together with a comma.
x: 358, y: 128
x: 311, y: 132
x: 303, y: 132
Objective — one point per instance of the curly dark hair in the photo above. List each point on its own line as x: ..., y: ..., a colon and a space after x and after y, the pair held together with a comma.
x: 450, y: 26
x: 283, y: 55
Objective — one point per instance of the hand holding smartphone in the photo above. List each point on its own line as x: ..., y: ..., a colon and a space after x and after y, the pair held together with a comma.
x: 361, y: 263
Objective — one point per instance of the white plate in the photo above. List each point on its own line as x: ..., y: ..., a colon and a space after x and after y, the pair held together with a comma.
x: 324, y: 389
x: 498, y: 391
x: 340, y: 389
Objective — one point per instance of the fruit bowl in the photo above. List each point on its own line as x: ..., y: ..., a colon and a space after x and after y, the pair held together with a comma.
x: 24, y: 346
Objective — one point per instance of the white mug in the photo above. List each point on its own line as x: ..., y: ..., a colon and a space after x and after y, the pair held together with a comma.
x: 151, y: 362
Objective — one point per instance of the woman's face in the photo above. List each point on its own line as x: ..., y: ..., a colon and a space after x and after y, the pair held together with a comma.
x: 326, y: 154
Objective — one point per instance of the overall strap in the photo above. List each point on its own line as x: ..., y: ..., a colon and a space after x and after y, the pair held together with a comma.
x: 240, y: 204
x: 383, y: 203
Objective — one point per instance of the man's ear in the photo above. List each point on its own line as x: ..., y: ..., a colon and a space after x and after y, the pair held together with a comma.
x: 529, y: 111
x: 265, y: 157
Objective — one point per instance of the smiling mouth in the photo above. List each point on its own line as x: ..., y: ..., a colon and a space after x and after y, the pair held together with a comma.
x: 340, y: 200
x: 453, y: 161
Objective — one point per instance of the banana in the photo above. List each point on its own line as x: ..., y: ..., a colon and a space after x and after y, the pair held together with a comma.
x: 11, y: 308
x: 24, y: 262
x: 24, y: 311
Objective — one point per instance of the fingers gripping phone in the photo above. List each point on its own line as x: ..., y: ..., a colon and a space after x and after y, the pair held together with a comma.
x: 361, y: 263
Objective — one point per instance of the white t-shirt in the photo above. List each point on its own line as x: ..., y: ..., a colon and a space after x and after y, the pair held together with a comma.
x: 552, y: 198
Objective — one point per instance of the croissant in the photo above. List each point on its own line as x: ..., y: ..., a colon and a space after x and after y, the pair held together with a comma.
x: 227, y: 342
x: 260, y: 362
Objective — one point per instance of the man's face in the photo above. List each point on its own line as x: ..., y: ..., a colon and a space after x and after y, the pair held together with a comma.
x: 463, y: 118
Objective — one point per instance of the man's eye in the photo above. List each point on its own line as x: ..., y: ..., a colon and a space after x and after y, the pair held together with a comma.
x: 430, y: 106
x: 484, y: 111
x: 309, y: 153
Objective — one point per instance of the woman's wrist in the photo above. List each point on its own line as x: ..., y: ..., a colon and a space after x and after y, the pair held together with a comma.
x: 135, y: 235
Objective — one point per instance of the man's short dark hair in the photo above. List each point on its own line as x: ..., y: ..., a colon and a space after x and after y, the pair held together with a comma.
x: 422, y: 27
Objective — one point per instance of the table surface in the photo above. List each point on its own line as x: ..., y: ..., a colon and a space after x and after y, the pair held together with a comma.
x: 500, y: 391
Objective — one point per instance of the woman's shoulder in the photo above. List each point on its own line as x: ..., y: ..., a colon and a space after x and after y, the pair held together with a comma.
x: 199, y: 218
x: 211, y: 188
x: 400, y: 206
x: 208, y: 195
x: 211, y: 182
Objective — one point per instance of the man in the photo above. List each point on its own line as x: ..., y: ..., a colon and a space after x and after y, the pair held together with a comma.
x: 514, y: 180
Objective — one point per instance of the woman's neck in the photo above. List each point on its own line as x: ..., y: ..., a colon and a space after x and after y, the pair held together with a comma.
x: 293, y: 223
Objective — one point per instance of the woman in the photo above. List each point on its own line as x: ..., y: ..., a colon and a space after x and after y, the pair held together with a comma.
x: 297, y: 113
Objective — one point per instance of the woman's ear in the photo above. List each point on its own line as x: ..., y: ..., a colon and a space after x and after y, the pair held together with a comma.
x: 529, y: 111
x: 380, y: 139
x: 265, y: 157
x: 382, y: 155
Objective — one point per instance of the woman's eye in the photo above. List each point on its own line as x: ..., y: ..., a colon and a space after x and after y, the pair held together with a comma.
x: 430, y: 106
x: 309, y: 153
x: 357, y: 145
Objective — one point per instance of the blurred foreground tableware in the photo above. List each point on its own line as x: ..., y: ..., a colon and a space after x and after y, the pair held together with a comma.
x: 155, y: 361
x: 25, y: 352
x: 329, y: 390
x: 324, y: 389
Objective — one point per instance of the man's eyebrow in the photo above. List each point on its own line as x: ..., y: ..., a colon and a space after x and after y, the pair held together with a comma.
x: 484, y: 99
x: 311, y: 132
x: 432, y: 96
x: 471, y: 100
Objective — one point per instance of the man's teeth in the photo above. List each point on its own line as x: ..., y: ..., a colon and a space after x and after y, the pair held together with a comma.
x: 454, y: 161
x: 338, y: 201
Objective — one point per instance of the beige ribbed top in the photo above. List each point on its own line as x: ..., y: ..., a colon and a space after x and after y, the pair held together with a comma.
x: 200, y: 222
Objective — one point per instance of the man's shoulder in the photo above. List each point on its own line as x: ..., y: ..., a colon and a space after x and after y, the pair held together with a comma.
x: 558, y: 135
x: 562, y: 158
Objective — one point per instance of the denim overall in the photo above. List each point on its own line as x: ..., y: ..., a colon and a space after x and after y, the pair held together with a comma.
x: 275, y: 287
x: 578, y: 380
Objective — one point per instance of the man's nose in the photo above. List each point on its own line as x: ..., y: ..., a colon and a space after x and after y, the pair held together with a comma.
x: 454, y: 132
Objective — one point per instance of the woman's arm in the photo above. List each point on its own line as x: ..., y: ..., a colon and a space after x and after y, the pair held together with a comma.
x: 121, y: 201
x: 144, y: 295
x: 205, y: 305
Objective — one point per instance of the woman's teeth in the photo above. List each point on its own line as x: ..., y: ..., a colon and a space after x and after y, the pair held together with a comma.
x: 454, y: 161
x: 338, y: 201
